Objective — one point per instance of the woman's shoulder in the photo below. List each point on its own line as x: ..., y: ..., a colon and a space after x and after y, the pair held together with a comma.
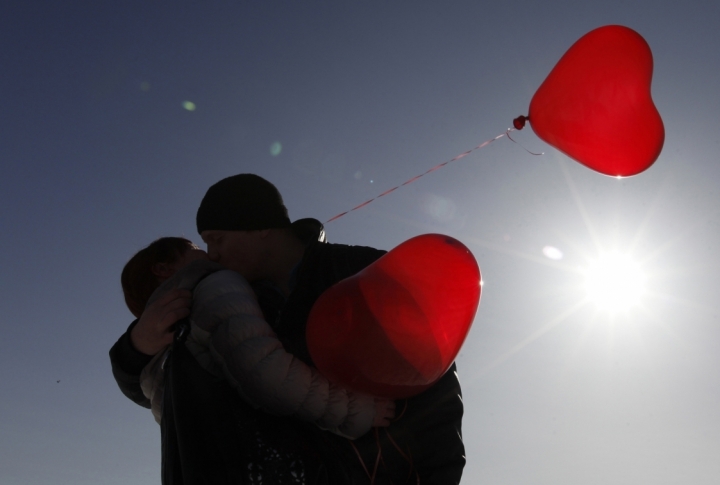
x: 223, y: 275
x: 224, y: 293
x: 221, y: 282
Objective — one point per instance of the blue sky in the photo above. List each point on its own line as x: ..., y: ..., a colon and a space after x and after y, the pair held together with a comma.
x: 100, y: 156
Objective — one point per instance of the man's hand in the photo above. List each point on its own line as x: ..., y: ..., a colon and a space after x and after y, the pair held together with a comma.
x: 153, y: 331
x: 384, y: 412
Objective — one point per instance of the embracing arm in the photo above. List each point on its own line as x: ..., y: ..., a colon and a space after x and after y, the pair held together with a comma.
x: 145, y: 338
x: 153, y: 331
x: 227, y: 320
x: 127, y: 364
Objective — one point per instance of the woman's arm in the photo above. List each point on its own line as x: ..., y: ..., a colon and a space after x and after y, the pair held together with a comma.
x: 227, y: 320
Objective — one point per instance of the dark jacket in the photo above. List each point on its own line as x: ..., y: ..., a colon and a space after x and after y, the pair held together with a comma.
x: 211, y: 436
x: 426, y: 439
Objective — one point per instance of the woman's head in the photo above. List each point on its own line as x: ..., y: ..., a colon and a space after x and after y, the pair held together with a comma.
x: 152, y: 265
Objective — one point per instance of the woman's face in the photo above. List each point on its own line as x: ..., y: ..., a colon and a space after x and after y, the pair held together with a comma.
x: 165, y: 271
x: 187, y: 258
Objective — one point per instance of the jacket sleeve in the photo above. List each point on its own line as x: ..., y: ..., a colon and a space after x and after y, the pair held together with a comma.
x: 227, y: 320
x: 127, y: 364
x: 152, y: 382
x: 438, y: 446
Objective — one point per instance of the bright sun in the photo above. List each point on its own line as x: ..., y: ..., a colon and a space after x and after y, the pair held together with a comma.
x: 614, y: 282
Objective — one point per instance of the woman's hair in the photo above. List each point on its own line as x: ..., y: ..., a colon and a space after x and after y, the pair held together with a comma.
x: 138, y: 279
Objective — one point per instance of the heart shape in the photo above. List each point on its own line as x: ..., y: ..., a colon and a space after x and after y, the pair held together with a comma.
x: 393, y: 329
x: 596, y: 106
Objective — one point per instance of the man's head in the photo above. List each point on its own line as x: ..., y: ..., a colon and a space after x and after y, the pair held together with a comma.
x: 242, y: 218
x: 244, y: 202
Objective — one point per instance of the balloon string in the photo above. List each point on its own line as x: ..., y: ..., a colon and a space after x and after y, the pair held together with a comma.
x: 362, y: 462
x: 531, y: 153
x: 407, y: 457
x: 436, y: 167
x: 402, y: 413
x: 378, y: 458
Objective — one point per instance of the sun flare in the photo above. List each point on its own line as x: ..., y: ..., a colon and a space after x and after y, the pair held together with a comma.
x: 614, y: 282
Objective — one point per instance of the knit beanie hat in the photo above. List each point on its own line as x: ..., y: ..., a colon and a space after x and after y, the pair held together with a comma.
x: 243, y: 202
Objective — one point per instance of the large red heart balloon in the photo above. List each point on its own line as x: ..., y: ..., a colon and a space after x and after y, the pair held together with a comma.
x: 596, y: 107
x: 393, y: 329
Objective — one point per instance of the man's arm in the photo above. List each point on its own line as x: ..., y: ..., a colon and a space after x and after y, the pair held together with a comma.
x: 436, y: 419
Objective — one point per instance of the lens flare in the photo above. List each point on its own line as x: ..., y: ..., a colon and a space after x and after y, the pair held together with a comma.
x: 614, y: 282
x: 551, y: 252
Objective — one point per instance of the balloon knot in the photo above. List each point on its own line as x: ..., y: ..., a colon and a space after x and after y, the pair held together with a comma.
x: 519, y: 122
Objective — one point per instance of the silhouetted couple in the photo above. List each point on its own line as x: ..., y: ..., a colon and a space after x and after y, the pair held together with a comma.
x: 218, y: 352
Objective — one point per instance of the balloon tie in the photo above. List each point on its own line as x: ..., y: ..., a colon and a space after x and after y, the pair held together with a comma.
x: 519, y: 122
x: 436, y: 167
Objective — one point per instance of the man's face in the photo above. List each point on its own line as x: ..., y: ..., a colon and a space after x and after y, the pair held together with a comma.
x: 241, y: 251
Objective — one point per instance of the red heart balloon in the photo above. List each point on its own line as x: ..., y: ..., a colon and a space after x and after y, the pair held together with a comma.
x: 596, y: 107
x: 393, y: 329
